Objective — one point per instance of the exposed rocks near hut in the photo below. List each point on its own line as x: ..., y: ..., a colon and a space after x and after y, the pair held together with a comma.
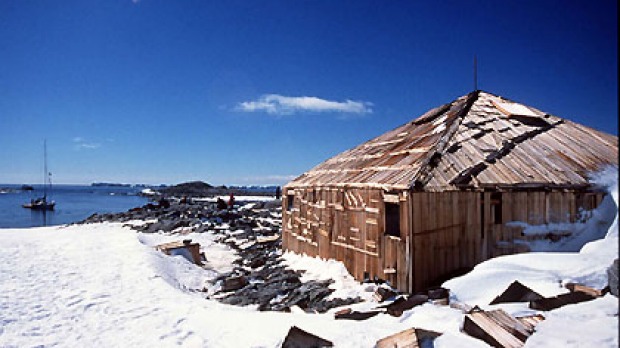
x: 254, y: 233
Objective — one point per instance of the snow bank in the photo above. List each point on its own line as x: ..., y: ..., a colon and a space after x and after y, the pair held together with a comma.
x: 104, y: 285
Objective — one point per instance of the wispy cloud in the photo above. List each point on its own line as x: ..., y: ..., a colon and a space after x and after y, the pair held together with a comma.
x: 81, y: 143
x: 274, y: 179
x: 282, y: 105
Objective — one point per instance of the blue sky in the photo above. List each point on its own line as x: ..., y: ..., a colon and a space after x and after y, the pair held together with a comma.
x: 256, y: 92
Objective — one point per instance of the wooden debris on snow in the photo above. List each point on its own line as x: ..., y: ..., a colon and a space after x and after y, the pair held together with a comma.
x: 298, y: 338
x: 268, y: 239
x: 551, y: 303
x: 410, y: 338
x: 575, y: 287
x: 382, y: 294
x: 530, y: 321
x: 233, y: 283
x: 349, y: 315
x: 497, y: 328
x: 439, y: 296
x: 402, y: 304
x: 190, y: 251
x: 517, y: 292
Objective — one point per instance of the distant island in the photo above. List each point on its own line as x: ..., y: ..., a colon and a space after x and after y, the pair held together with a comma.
x: 109, y: 184
x: 203, y: 189
x: 113, y: 184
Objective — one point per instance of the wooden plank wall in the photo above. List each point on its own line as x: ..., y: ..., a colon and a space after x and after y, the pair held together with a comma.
x: 347, y: 225
x: 441, y: 232
x: 457, y: 230
x: 446, y: 234
x: 535, y: 208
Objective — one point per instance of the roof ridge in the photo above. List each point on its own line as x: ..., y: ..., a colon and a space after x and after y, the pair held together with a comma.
x: 423, y: 175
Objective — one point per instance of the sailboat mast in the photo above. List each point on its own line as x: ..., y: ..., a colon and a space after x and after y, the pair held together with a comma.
x: 45, y: 169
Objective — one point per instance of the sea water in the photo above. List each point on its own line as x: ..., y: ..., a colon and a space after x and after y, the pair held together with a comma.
x: 73, y: 203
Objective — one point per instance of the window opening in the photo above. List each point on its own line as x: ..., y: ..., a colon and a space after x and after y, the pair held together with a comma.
x: 289, y: 202
x: 496, y: 207
x: 392, y: 219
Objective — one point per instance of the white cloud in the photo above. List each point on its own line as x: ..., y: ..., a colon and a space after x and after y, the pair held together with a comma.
x: 81, y: 143
x: 274, y: 179
x: 283, y: 105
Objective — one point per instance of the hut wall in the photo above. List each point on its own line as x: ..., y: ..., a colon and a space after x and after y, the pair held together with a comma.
x: 440, y: 233
x: 454, y: 231
x: 347, y: 224
x: 446, y: 235
x: 535, y: 208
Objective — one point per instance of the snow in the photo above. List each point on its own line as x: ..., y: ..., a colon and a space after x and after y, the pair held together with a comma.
x: 99, y: 285
x: 105, y: 285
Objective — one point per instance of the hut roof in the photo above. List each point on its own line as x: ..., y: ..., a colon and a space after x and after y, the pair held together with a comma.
x: 478, y: 140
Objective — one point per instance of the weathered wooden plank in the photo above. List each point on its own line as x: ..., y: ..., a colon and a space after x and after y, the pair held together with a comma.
x: 484, y: 327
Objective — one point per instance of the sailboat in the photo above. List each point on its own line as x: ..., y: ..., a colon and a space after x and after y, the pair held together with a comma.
x: 42, y: 203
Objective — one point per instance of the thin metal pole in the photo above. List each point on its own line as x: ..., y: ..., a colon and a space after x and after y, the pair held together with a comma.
x: 45, y: 169
x: 475, y: 73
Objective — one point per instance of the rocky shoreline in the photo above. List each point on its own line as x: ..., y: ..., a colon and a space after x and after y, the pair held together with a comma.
x: 253, y: 230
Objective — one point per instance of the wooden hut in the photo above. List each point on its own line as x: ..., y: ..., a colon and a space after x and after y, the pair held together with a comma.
x: 434, y: 197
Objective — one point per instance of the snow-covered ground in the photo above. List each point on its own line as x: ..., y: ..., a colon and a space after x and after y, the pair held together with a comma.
x: 104, y: 285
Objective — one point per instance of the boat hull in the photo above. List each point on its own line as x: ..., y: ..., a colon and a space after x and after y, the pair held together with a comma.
x: 40, y: 206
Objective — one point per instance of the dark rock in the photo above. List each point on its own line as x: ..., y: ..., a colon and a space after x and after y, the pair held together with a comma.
x: 257, y: 242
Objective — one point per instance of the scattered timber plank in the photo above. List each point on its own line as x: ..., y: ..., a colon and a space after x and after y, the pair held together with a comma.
x: 574, y: 287
x: 510, y: 324
x: 352, y: 315
x: 530, y: 321
x: 343, y: 311
x: 233, y: 283
x: 402, y: 304
x: 406, y: 338
x: 410, y: 338
x: 190, y: 251
x: 382, y: 294
x: 267, y: 239
x: 298, y: 338
x: 496, y: 328
x: 517, y: 292
x: 439, y: 296
x: 551, y: 303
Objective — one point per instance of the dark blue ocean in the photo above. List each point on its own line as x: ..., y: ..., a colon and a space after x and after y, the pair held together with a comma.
x: 73, y: 203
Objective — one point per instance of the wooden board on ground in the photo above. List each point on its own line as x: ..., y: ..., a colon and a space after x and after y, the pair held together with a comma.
x: 298, y: 338
x: 185, y: 248
x: 496, y: 328
x: 410, y: 338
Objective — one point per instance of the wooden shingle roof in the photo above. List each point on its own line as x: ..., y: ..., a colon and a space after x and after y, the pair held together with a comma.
x: 479, y: 140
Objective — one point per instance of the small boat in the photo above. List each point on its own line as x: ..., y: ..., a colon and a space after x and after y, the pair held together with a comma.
x: 42, y: 203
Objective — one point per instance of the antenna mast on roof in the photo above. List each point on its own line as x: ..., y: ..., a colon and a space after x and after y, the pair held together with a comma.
x: 475, y: 73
